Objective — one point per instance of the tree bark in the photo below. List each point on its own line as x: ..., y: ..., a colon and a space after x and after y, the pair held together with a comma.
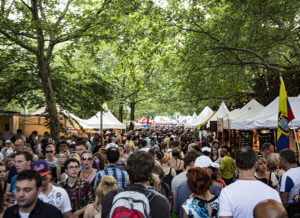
x: 132, y: 111
x: 121, y: 112
x: 44, y: 73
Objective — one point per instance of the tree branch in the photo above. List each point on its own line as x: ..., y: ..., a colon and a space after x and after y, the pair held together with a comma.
x: 79, y: 32
x: 20, y: 43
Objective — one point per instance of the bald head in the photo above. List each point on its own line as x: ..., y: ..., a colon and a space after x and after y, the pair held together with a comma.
x: 269, y: 209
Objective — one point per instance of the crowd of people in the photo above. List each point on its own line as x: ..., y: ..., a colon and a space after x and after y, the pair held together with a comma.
x: 165, y: 172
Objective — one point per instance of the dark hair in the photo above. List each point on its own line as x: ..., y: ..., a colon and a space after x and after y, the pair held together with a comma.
x: 143, y: 142
x: 28, y: 156
x: 266, y: 146
x: 245, y: 158
x: 81, y: 143
x: 70, y: 160
x: 198, y: 180
x: 139, y: 167
x: 30, y: 175
x: 112, y: 155
x: 101, y: 163
x: 190, y: 157
x: 159, y: 171
x: 19, y: 131
x: 175, y: 152
x: 288, y: 155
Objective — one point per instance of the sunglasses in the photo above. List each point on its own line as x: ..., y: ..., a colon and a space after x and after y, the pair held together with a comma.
x: 86, y: 158
x: 48, y: 152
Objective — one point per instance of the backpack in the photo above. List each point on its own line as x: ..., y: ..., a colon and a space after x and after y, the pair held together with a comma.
x: 131, y: 204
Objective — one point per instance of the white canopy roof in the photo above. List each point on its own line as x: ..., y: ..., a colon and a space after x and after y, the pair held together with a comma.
x: 42, y: 111
x: 250, y: 109
x: 266, y: 118
x: 221, y: 112
x: 203, y: 116
x: 296, y: 110
x: 109, y: 121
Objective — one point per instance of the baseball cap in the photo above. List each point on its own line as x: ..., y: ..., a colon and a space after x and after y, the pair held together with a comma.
x: 111, y: 145
x: 206, y: 149
x: 42, y: 167
x: 7, y: 142
x: 204, y: 161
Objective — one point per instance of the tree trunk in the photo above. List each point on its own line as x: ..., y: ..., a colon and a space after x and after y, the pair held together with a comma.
x: 44, y: 73
x: 132, y: 111
x: 121, y: 112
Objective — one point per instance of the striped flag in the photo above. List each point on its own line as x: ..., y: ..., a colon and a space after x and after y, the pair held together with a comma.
x: 285, y: 115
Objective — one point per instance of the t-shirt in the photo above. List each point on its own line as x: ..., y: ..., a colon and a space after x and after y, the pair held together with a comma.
x: 290, y: 182
x: 183, y: 192
x: 58, y: 197
x: 239, y: 198
x: 23, y: 215
x: 194, y: 207
x: 177, y: 180
x: 53, y: 163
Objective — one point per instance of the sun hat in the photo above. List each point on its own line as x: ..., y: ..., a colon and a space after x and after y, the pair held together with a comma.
x: 204, y: 162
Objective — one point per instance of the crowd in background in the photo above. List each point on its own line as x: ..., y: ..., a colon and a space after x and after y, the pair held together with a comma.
x: 181, y: 175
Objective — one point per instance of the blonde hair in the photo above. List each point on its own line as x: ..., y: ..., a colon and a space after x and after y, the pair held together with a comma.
x: 75, y: 156
x: 58, y: 166
x: 155, y: 180
x: 273, y: 159
x: 107, y: 184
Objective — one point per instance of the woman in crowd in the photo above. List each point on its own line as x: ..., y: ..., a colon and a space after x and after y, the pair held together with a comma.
x: 214, y: 155
x: 175, y: 162
x: 121, y: 162
x: 263, y: 174
x: 99, y: 160
x: 202, y: 203
x: 169, y: 172
x: 3, y: 176
x: 59, y: 170
x: 107, y: 184
x: 274, y: 165
x: 9, y: 161
x: 88, y: 173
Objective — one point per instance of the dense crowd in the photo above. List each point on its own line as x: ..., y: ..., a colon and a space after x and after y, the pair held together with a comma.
x: 153, y: 172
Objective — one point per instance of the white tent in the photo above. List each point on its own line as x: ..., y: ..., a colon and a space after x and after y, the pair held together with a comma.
x: 221, y: 112
x: 109, y: 121
x: 205, y: 114
x: 266, y: 118
x: 42, y: 111
x: 296, y: 110
x: 250, y: 109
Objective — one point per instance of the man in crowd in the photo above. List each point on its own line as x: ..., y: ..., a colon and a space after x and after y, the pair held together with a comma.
x: 289, y: 183
x: 266, y: 149
x: 50, y: 158
x: 80, y: 148
x: 139, y: 167
x: 80, y: 191
x: 112, y: 155
x: 52, y: 194
x: 189, y: 161
x: 239, y: 198
x: 269, y: 209
x: 28, y: 186
x: 227, y: 166
x: 23, y: 160
x: 144, y: 145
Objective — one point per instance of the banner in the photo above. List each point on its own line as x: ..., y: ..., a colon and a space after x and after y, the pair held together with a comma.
x: 285, y: 115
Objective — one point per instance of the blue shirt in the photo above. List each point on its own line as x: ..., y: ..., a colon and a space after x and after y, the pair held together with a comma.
x: 112, y: 170
x: 183, y: 193
x: 12, y: 188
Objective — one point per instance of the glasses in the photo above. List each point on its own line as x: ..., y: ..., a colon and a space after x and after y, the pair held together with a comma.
x: 49, y: 152
x: 86, y: 158
x: 73, y: 167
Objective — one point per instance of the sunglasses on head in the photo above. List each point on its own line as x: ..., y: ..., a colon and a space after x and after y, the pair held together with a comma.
x: 86, y: 158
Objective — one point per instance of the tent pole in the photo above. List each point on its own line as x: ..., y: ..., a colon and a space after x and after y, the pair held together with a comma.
x: 296, y: 140
x: 101, y: 112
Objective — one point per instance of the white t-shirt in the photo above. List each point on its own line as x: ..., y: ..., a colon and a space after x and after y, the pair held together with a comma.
x: 23, y: 215
x: 290, y: 182
x: 144, y: 149
x: 239, y: 198
x: 58, y: 197
x: 177, y: 180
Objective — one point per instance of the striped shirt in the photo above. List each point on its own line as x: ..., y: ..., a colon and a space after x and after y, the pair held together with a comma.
x: 112, y: 170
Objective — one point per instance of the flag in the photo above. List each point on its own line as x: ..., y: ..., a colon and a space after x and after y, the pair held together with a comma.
x: 285, y: 115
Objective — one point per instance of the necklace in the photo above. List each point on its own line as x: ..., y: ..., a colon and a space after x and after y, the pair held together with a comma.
x: 247, y: 178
